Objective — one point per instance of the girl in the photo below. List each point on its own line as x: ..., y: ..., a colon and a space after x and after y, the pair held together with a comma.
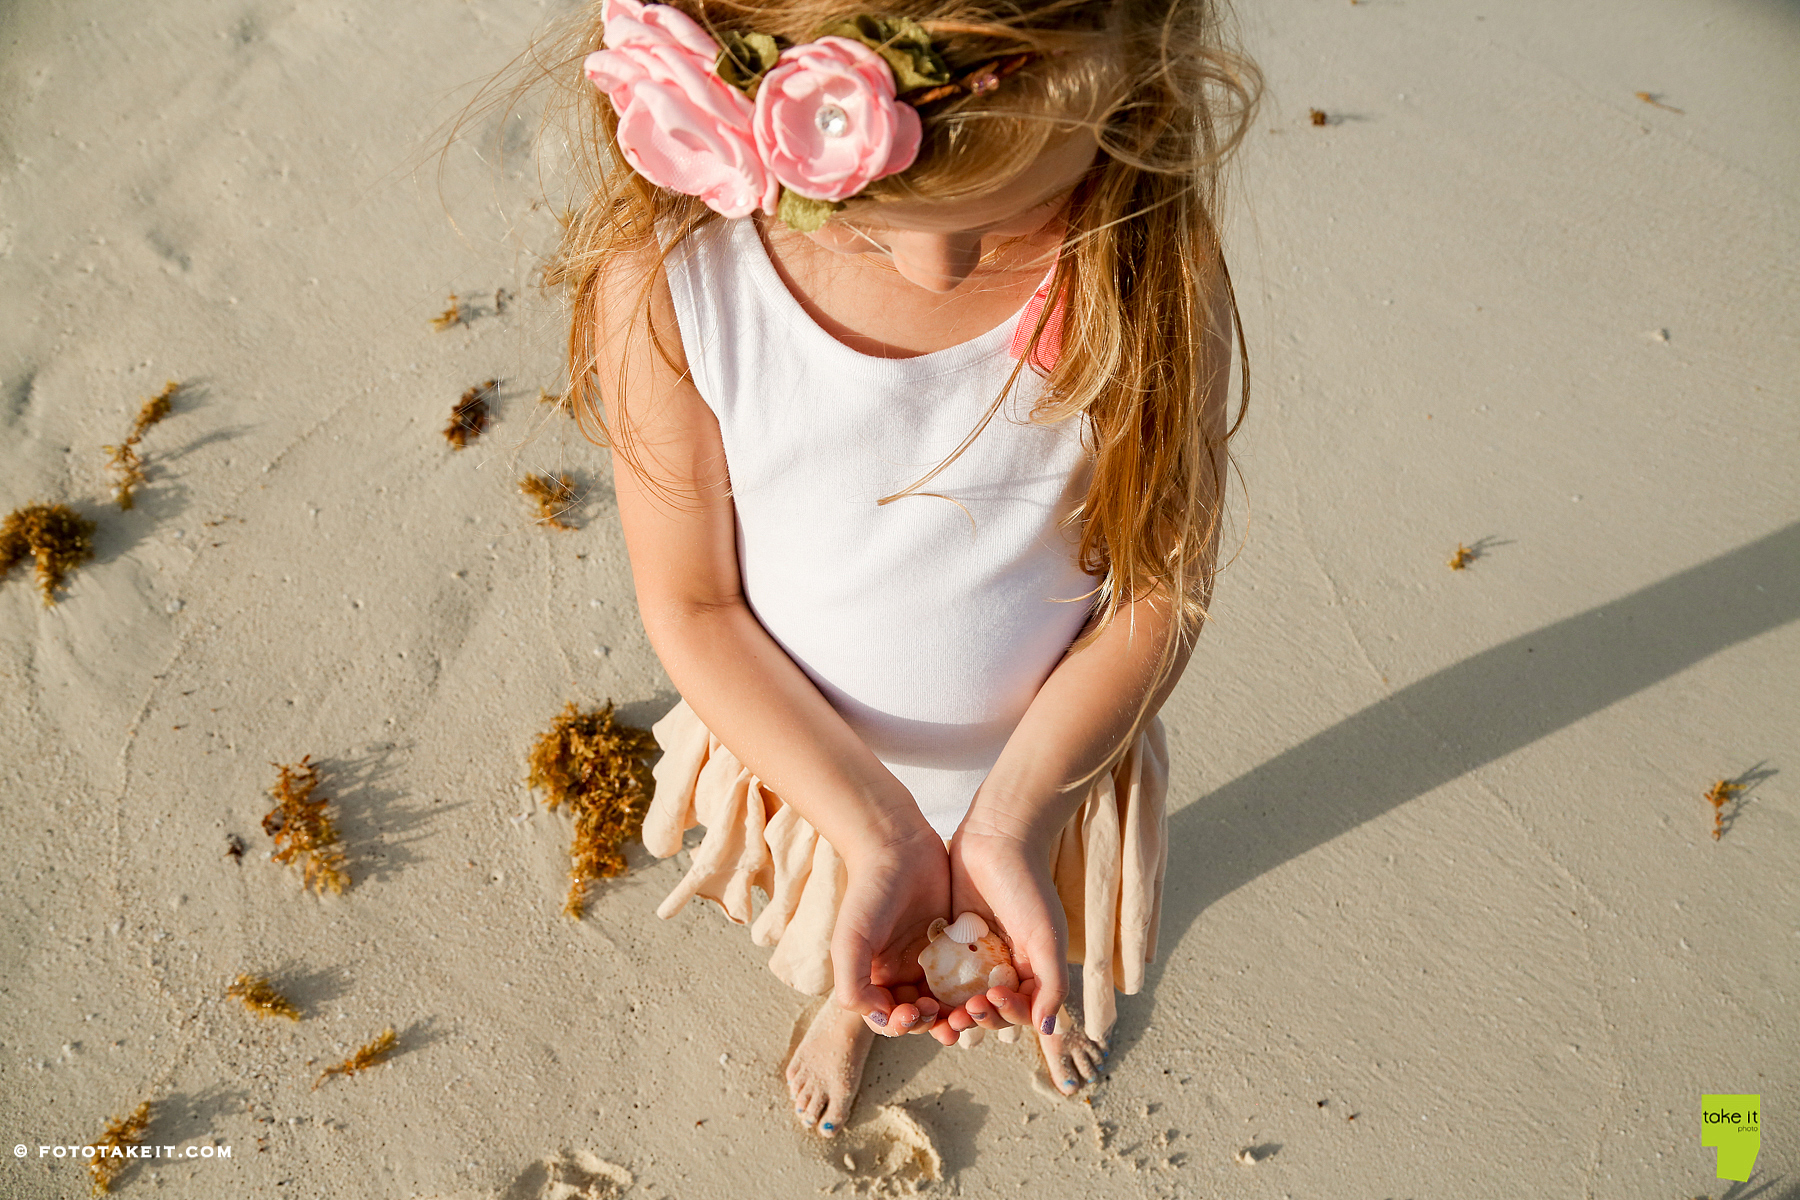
x: 910, y: 334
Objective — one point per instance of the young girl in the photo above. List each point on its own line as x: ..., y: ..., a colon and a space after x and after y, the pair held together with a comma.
x: 910, y: 334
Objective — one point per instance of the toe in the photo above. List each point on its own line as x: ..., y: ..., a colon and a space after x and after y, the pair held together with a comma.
x: 834, y: 1116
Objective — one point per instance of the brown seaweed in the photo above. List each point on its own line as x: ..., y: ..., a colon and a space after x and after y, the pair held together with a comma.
x: 260, y: 997
x: 370, y: 1055
x: 599, y: 770
x: 57, y: 536
x: 554, y: 494
x: 1463, y: 557
x: 303, y: 830
x: 125, y: 462
x: 470, y: 416
x: 1719, y: 795
x: 456, y: 314
x: 1317, y: 116
x: 109, y: 1153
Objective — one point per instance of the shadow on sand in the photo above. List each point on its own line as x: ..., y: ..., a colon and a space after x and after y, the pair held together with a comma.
x: 1468, y: 715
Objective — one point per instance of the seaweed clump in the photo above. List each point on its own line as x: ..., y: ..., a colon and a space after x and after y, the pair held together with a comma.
x: 555, y: 495
x: 470, y: 416
x: 368, y: 1056
x: 60, y: 538
x: 125, y: 461
x: 109, y: 1152
x: 456, y: 314
x: 261, y: 998
x: 303, y: 830
x: 597, y: 768
x: 1719, y: 795
x: 1463, y: 557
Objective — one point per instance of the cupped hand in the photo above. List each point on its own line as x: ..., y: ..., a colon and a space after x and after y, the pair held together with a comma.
x: 1008, y: 882
x: 892, y: 896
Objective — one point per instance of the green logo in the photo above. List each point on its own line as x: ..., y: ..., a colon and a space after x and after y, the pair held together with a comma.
x: 1734, y: 1125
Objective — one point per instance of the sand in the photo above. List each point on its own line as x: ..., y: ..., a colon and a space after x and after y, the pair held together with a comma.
x: 1447, y: 917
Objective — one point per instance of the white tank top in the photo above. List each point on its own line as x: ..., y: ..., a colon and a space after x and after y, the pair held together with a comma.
x: 929, y: 625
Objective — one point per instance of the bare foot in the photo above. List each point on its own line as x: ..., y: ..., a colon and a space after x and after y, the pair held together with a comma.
x: 1072, y: 1058
x: 826, y: 1068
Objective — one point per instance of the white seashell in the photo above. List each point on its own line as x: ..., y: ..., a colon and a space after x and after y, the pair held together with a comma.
x: 966, y: 928
x: 957, y: 971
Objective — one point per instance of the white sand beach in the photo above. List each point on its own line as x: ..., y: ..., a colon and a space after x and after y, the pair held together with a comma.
x: 1445, y: 915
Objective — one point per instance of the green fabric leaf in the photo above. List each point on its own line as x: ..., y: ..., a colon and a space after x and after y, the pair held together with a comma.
x: 902, y: 41
x: 744, y: 58
x: 803, y: 214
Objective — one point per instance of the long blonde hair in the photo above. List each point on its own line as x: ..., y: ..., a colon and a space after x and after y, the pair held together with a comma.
x: 1169, y: 99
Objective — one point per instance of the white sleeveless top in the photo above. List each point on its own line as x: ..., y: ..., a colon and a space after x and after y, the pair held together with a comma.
x: 929, y: 625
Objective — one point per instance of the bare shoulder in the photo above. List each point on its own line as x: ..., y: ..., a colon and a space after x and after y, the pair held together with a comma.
x: 634, y: 311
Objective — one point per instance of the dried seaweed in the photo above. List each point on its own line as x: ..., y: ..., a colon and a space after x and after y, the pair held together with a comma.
x: 1317, y: 116
x: 457, y: 314
x: 368, y: 1056
x: 1650, y: 99
x: 470, y: 416
x: 1719, y: 795
x: 554, y: 494
x: 599, y: 770
x: 560, y: 400
x: 303, y: 830
x: 125, y: 462
x: 57, y: 536
x: 260, y: 997
x: 1463, y: 557
x: 109, y: 1151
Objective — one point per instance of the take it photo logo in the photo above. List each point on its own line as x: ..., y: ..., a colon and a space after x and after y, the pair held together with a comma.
x: 1734, y: 1125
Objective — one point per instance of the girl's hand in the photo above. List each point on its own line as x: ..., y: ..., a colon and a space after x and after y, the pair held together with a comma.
x: 1007, y: 880
x: 893, y: 895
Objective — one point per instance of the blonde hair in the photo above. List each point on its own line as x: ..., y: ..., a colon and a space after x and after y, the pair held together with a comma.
x: 1169, y: 99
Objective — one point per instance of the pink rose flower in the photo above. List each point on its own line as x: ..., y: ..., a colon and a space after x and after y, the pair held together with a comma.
x: 680, y: 125
x: 827, y: 123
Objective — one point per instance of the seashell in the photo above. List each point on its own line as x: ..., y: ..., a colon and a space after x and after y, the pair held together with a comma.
x: 966, y: 928
x: 957, y: 970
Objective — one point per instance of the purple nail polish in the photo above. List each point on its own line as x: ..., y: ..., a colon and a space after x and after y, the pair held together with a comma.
x: 880, y: 1018
x: 1050, y: 1024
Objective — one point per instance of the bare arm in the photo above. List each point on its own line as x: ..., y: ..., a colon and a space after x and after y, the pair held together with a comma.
x: 1076, y: 724
x: 681, y: 536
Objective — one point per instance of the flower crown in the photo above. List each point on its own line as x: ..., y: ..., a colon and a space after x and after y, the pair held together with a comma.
x: 743, y: 123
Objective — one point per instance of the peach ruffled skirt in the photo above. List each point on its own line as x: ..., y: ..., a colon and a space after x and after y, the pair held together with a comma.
x: 1108, y: 864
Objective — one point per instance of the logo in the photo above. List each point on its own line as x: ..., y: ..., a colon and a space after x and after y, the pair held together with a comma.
x: 1734, y: 1125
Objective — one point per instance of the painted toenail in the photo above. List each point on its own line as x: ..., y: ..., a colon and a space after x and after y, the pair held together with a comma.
x: 1070, y: 1082
x: 880, y: 1018
x: 828, y: 1125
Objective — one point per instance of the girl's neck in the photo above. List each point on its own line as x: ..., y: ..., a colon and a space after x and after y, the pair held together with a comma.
x: 864, y: 303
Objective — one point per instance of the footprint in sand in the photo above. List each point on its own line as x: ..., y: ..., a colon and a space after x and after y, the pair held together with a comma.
x: 888, y: 1152
x: 575, y: 1175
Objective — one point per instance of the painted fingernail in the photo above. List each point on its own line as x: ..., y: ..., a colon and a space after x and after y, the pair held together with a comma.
x: 1050, y: 1024
x: 880, y: 1018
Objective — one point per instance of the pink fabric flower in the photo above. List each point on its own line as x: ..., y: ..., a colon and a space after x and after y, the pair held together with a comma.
x: 827, y: 123
x: 680, y: 125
